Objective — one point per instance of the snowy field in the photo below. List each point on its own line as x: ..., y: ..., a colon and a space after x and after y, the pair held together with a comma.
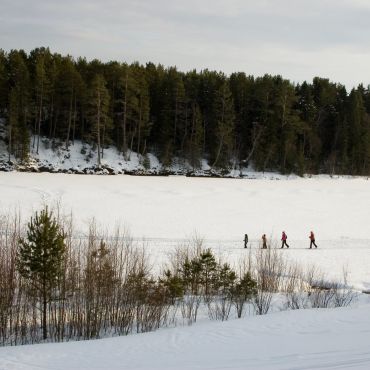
x: 164, y: 212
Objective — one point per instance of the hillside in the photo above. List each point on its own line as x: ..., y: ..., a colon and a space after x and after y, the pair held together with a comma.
x: 301, y: 339
x: 81, y: 158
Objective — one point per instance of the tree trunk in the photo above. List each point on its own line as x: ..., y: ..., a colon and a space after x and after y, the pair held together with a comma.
x: 139, y: 126
x: 103, y: 139
x: 44, y: 313
x: 74, y: 120
x: 218, y: 151
x: 255, y: 141
x: 175, y: 122
x: 40, y: 116
x: 55, y: 124
x: 34, y: 134
x: 51, y: 117
x: 125, y: 119
x: 10, y: 142
x: 185, y: 129
x: 69, y: 120
x: 98, y: 128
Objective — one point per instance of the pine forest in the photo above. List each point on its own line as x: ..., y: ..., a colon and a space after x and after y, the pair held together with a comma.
x: 269, y: 122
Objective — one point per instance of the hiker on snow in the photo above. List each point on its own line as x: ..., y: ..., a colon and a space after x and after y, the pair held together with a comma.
x: 284, y: 237
x: 245, y: 240
x: 312, y: 238
x: 264, y: 242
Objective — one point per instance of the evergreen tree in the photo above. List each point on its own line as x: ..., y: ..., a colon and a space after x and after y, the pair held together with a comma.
x: 40, y: 258
x: 267, y: 144
x: 358, y: 125
x: 248, y: 133
x: 243, y: 291
x: 289, y: 128
x: 39, y: 59
x: 225, y: 118
x: 141, y: 103
x: 194, y: 138
x: 67, y: 84
x: 3, y: 81
x: 13, y: 129
x: 98, y: 111
x: 19, y: 93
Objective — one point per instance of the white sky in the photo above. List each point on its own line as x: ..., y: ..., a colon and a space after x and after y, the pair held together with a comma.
x: 299, y: 39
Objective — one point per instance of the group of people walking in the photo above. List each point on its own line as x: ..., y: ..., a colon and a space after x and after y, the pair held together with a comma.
x: 284, y: 238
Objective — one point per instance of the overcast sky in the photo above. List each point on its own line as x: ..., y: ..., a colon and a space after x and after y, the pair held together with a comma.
x: 298, y: 39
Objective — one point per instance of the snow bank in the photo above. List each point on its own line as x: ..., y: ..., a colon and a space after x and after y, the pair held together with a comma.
x: 302, y: 339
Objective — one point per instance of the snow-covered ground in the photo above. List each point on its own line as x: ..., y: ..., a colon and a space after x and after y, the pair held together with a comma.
x: 301, y: 339
x: 164, y: 212
x: 82, y: 158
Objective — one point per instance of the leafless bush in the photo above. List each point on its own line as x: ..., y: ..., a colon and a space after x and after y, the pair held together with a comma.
x: 325, y: 293
x: 295, y: 287
x: 269, y: 269
x: 10, y: 291
x: 219, y: 308
x: 345, y: 294
x: 189, y: 307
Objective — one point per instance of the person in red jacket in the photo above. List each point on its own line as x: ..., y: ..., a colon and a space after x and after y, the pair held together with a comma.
x: 312, y: 238
x: 284, y: 237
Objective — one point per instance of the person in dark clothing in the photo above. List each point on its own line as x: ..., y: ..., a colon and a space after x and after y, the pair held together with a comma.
x: 245, y: 240
x: 312, y: 238
x: 264, y: 241
x: 284, y: 237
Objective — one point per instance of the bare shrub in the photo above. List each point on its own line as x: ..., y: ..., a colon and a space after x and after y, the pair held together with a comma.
x: 295, y: 288
x: 10, y: 292
x: 219, y: 308
x: 345, y: 294
x: 269, y: 269
x: 325, y: 293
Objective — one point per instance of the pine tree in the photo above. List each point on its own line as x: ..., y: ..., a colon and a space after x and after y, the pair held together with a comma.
x: 141, y: 118
x: 3, y: 82
x: 13, y: 114
x: 20, y: 91
x: 98, y: 110
x: 243, y: 291
x: 194, y: 141
x: 289, y: 127
x: 41, y: 90
x: 41, y: 256
x: 225, y: 123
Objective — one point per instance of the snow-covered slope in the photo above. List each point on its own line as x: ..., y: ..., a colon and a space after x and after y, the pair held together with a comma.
x: 81, y: 158
x: 301, y: 339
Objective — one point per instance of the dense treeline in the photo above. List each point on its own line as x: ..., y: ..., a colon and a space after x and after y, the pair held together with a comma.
x: 229, y: 120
